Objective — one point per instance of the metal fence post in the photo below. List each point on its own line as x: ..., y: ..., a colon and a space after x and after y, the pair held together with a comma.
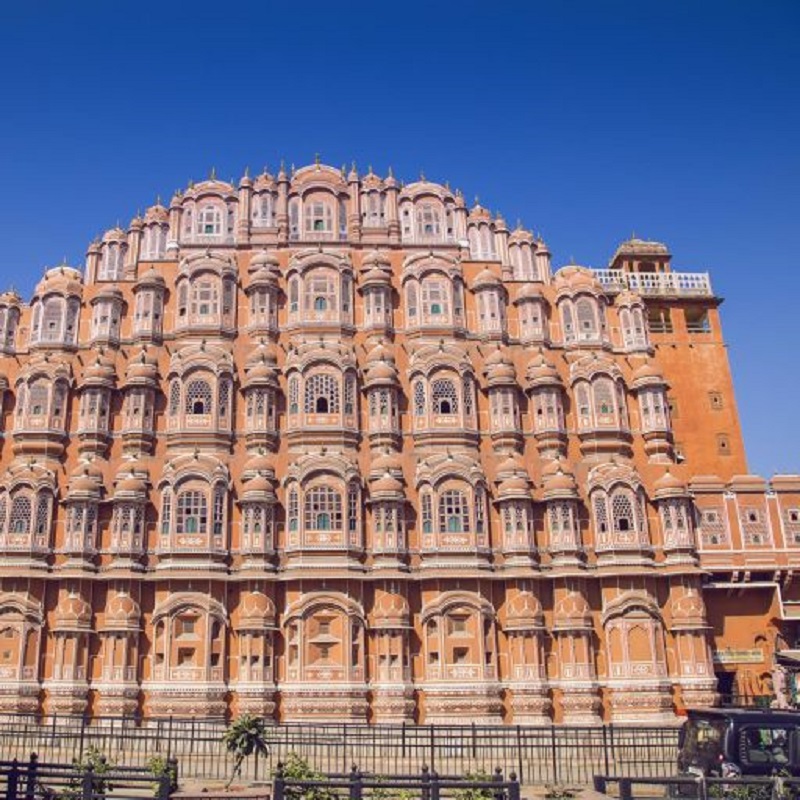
x: 605, y: 750
x: 12, y: 777
x: 599, y: 784
x: 435, y: 788
x: 278, y: 783
x: 625, y: 792
x: 554, y: 759
x: 80, y: 741
x: 30, y: 783
x: 425, y: 780
x: 356, y: 788
x: 87, y: 784
x: 497, y: 777
x: 513, y: 787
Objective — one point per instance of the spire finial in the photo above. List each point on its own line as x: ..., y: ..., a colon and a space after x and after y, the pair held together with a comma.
x: 391, y: 172
x: 213, y: 175
x: 247, y: 172
x: 158, y: 199
x: 316, y: 159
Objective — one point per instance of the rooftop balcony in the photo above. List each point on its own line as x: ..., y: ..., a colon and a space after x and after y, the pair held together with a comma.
x: 656, y: 284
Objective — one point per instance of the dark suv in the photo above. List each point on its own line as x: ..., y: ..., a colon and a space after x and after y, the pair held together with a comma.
x: 740, y: 741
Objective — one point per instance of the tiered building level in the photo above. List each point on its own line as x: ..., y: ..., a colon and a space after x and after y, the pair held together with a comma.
x: 324, y: 446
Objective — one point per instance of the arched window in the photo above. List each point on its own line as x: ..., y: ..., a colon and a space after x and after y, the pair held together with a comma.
x: 294, y: 394
x: 429, y: 222
x: 38, y: 399
x: 453, y: 512
x: 568, y: 322
x: 318, y: 219
x: 192, y: 512
x: 587, y: 318
x: 205, y: 298
x: 427, y: 512
x: 604, y: 407
x: 198, y: 397
x: 322, y: 394
x: 444, y: 396
x: 411, y: 299
x: 52, y: 319
x: 174, y: 397
x: 320, y: 292
x: 622, y: 510
x: 373, y: 213
x: 323, y: 509
x: 209, y: 221
x: 262, y: 210
x: 435, y: 299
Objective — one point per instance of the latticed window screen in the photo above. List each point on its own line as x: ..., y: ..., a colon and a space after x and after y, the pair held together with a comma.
x: 713, y: 527
x: 603, y: 400
x: 42, y: 516
x: 292, y: 510
x: 469, y: 394
x: 38, y: 399
x: 754, y: 525
x: 166, y: 511
x: 479, y: 510
x: 128, y: 523
x: 585, y: 312
x: 3, y: 512
x: 567, y: 321
x: 352, y: 507
x: 322, y: 394
x: 192, y: 512
x: 419, y: 399
x: 444, y: 396
x: 323, y: 509
x: 622, y: 510
x: 411, y: 299
x: 205, y: 298
x: 320, y: 291
x: 198, y: 397
x: 349, y: 394
x: 434, y: 297
x: 453, y: 512
x: 224, y: 397
x: 21, y: 511
x: 174, y: 397
x: 600, y: 512
x: 427, y: 513
x: 219, y: 509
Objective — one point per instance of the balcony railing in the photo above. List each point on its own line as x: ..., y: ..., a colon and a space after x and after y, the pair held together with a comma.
x: 656, y: 284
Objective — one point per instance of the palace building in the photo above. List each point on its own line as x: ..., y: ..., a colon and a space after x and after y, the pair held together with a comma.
x: 324, y: 446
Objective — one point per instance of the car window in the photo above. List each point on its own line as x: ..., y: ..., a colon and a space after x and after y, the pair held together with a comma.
x: 764, y: 745
x: 702, y: 739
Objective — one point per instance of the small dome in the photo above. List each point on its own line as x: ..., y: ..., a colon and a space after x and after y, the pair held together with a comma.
x: 10, y: 298
x: 386, y: 485
x: 122, y: 607
x: 115, y: 234
x: 511, y: 465
x: 627, y: 298
x: 540, y: 372
x: 524, y: 611
x: 375, y: 259
x: 499, y: 368
x: 152, y: 277
x: 646, y: 374
x: 515, y: 487
x: 485, y: 278
x: 84, y: 485
x: 63, y: 280
x: 264, y: 260
x: 391, y: 610
x: 573, y: 279
x: 73, y: 612
x: 382, y: 372
x: 156, y: 213
x: 256, y: 610
x: 100, y: 372
x: 375, y: 276
x: 379, y: 353
x: 142, y: 370
x: 478, y: 212
x: 572, y: 612
x: 669, y: 486
x: 528, y: 291
x: 131, y: 485
x: 258, y: 489
x: 260, y: 463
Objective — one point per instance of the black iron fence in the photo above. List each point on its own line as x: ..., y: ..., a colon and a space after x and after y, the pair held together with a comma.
x: 35, y: 780
x: 700, y: 788
x: 538, y: 755
x: 428, y: 785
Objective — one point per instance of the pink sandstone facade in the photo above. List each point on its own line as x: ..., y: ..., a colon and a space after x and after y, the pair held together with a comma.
x: 323, y: 446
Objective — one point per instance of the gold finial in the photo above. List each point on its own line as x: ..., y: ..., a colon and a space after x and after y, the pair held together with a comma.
x: 316, y: 159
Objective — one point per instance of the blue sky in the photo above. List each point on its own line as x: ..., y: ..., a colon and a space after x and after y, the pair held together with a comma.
x: 679, y: 121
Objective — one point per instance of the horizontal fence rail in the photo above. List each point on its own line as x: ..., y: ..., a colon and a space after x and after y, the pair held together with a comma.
x: 538, y: 755
x: 700, y: 788
x: 35, y: 780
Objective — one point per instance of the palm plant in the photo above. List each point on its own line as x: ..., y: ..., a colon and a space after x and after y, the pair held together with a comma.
x: 246, y: 735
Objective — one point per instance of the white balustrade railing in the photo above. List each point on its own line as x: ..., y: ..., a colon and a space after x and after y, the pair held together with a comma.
x: 649, y: 284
